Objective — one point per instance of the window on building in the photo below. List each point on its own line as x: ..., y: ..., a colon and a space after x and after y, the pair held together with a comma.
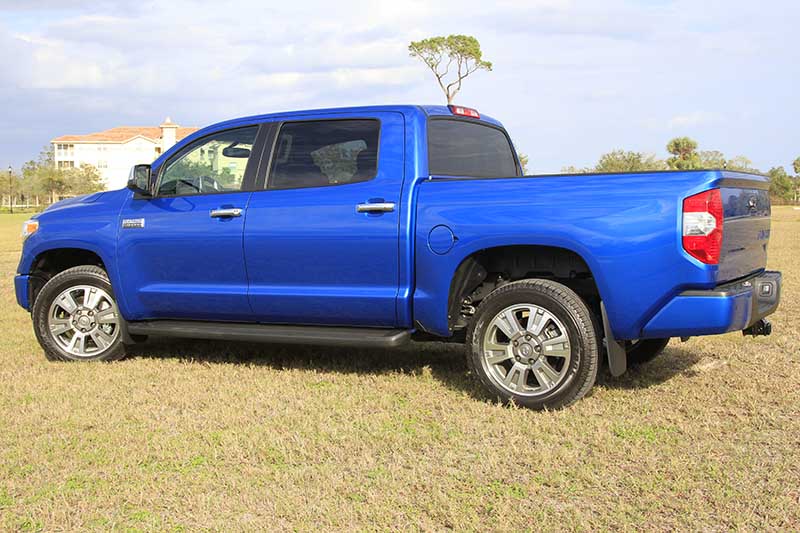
x: 65, y: 150
x: 66, y: 164
x: 329, y: 152
x: 102, y: 164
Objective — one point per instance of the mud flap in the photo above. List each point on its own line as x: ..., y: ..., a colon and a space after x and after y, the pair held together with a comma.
x: 617, y: 356
x: 127, y: 339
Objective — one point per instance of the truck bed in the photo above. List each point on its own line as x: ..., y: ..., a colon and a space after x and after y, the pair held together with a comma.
x: 626, y: 227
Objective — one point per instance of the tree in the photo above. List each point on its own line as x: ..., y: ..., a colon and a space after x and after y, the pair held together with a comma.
x: 450, y: 58
x: 740, y: 162
x: 84, y: 179
x: 523, y: 160
x: 43, y: 175
x: 684, y: 154
x: 575, y: 170
x: 796, y: 166
x: 622, y: 161
x: 781, y: 185
x: 712, y: 159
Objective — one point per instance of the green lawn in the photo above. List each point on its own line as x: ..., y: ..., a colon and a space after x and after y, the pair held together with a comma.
x: 223, y: 436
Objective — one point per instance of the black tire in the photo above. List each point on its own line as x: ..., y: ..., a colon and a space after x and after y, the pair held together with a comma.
x: 644, y: 350
x: 563, y: 304
x: 86, y: 275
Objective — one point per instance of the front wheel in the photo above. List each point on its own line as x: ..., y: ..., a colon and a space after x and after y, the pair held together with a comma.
x: 75, y: 317
x: 533, y: 342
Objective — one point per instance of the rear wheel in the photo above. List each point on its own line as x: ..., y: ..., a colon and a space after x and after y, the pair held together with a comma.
x: 644, y: 350
x: 75, y: 317
x: 533, y: 342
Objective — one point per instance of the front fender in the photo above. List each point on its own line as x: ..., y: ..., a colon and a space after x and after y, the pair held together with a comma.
x: 90, y: 226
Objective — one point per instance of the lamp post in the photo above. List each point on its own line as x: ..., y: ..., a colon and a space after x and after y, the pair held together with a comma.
x: 11, y: 189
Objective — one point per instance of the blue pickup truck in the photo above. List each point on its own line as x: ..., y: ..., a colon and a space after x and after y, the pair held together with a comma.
x: 374, y: 226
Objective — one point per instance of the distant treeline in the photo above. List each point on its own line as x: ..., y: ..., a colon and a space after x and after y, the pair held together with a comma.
x: 41, y: 178
x: 784, y: 187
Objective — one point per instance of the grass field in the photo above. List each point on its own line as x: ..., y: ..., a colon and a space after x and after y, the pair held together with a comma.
x: 187, y: 436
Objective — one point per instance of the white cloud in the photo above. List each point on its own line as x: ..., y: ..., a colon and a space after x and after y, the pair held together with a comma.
x: 692, y: 119
x: 571, y: 79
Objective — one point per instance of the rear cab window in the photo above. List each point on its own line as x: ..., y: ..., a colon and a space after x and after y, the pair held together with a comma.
x: 460, y: 147
x: 325, y: 152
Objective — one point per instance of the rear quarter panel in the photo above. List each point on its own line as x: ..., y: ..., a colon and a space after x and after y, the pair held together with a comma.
x: 626, y: 227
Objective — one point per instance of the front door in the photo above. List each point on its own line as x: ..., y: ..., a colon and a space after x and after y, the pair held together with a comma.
x: 321, y: 240
x: 180, y: 252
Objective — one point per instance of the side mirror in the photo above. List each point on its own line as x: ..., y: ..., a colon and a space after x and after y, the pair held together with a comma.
x: 139, y: 180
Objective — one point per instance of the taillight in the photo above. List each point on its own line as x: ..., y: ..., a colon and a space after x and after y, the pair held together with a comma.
x: 464, y: 111
x: 702, y: 226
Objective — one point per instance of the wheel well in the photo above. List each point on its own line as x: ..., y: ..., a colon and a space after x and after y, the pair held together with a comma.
x: 484, y: 271
x: 49, y: 263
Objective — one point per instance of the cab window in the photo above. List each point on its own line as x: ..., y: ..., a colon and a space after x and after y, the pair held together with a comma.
x: 325, y: 152
x: 213, y: 164
x: 470, y: 149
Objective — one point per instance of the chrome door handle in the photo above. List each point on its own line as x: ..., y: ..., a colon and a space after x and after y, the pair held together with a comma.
x: 378, y: 207
x: 226, y: 213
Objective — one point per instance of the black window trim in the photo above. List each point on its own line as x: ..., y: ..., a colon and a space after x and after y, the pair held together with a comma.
x: 251, y: 170
x: 264, y: 177
x: 514, y: 154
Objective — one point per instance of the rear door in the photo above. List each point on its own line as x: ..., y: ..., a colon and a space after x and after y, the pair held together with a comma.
x: 321, y: 238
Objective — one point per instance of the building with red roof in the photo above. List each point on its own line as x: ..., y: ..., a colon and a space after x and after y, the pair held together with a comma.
x: 114, y: 151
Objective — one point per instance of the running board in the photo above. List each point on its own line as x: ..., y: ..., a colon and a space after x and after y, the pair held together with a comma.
x: 315, y: 335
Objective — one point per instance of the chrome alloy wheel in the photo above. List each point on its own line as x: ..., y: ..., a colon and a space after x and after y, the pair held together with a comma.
x: 84, y: 321
x: 526, y: 350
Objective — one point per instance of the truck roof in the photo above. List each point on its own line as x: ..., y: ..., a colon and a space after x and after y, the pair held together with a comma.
x: 420, y: 110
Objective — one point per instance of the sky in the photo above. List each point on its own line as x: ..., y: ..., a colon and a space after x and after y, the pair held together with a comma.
x: 571, y: 79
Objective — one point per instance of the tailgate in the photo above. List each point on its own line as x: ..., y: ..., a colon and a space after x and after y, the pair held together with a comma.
x: 745, y: 233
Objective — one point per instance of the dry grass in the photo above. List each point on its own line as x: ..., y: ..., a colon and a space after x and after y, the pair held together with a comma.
x: 217, y: 436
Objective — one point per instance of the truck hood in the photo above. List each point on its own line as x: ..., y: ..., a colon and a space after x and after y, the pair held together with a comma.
x: 97, y: 205
x: 77, y: 200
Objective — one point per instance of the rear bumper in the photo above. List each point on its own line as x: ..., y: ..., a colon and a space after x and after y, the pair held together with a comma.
x: 21, y: 284
x: 730, y: 307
